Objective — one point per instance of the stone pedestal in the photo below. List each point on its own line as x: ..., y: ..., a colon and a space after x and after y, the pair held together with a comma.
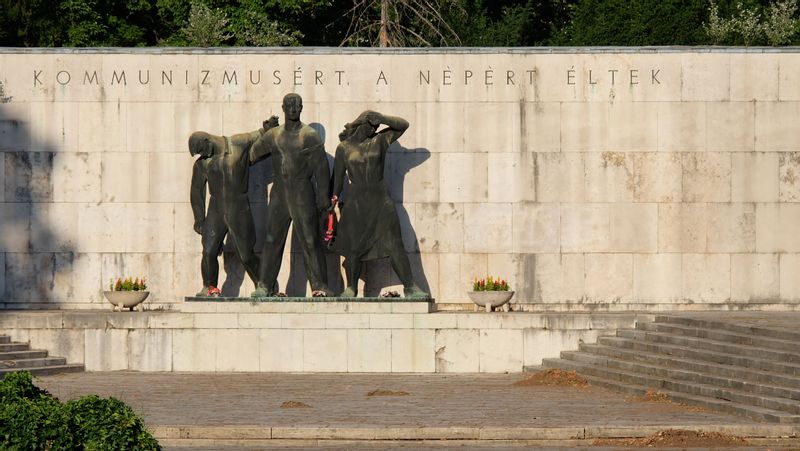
x: 307, y: 305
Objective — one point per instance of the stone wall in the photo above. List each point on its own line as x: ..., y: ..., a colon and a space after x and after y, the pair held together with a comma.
x: 363, y: 340
x: 609, y: 176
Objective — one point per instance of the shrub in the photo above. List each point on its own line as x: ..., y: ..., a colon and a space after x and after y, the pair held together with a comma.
x: 32, y: 419
x: 108, y: 424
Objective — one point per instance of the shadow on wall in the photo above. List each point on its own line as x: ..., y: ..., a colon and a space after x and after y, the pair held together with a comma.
x: 399, y: 163
x: 36, y: 263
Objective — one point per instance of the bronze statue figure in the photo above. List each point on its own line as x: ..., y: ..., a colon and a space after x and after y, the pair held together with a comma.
x: 298, y: 156
x: 224, y: 166
x: 369, y: 227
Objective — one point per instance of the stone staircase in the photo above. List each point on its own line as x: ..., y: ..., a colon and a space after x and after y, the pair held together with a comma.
x: 720, y: 365
x: 20, y: 357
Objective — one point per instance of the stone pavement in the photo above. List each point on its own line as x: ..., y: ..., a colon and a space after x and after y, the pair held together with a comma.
x: 219, y: 406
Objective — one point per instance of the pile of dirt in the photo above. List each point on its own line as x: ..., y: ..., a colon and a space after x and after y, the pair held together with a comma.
x: 677, y: 438
x: 553, y: 377
x: 294, y: 405
x: 387, y: 393
x: 655, y: 396
x: 652, y: 396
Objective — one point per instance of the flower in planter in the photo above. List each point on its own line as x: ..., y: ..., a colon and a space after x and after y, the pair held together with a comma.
x: 490, y: 284
x: 128, y: 284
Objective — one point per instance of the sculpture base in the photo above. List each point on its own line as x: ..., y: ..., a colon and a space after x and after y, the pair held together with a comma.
x: 307, y: 305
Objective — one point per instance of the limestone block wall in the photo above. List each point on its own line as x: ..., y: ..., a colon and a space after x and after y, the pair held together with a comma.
x: 356, y: 341
x: 593, y: 176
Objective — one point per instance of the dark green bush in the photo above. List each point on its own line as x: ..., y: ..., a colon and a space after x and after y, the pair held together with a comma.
x: 32, y: 419
x: 108, y: 424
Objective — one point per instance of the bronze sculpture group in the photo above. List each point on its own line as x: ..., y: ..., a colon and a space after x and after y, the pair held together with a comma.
x: 368, y: 229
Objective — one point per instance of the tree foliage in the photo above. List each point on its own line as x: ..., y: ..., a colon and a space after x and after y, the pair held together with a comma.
x: 751, y: 24
x: 402, y: 23
x: 636, y: 22
x: 489, y: 23
x: 206, y: 27
x: 509, y: 23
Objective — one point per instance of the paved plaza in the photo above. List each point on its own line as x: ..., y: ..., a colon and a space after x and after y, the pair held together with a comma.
x: 476, y: 408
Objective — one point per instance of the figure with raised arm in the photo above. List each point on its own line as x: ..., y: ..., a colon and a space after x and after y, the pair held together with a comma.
x: 223, y: 166
x: 369, y: 227
x: 299, y: 162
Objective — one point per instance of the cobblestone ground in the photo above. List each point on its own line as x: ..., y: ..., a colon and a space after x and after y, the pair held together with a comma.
x: 340, y: 400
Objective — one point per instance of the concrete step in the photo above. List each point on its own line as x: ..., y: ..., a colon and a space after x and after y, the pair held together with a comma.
x: 6, y: 347
x: 721, y: 335
x: 695, y: 365
x: 46, y: 361
x: 595, y: 378
x: 767, y: 396
x: 28, y: 354
x: 5, y: 339
x: 712, y: 345
x: 46, y: 370
x: 724, y: 358
x: 780, y: 334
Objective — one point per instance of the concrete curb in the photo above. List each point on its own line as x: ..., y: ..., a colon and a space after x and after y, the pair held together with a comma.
x: 457, y: 433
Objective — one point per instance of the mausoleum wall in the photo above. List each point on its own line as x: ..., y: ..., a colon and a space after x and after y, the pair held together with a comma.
x: 592, y: 176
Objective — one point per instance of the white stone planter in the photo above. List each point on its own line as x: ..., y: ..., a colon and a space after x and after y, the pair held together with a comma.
x: 126, y: 299
x: 490, y: 299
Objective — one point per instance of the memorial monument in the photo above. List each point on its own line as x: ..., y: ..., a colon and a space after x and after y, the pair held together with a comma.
x: 369, y: 228
x: 593, y: 180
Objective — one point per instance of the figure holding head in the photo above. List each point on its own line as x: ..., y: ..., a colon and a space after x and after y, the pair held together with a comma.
x: 224, y: 166
x: 299, y: 162
x: 369, y: 227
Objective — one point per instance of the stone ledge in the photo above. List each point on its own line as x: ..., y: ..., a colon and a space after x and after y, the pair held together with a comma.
x: 307, y: 305
x: 458, y: 432
x: 86, y: 320
x: 462, y: 307
x: 630, y: 307
x: 290, y: 299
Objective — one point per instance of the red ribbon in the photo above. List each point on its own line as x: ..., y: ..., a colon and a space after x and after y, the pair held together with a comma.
x: 329, y: 231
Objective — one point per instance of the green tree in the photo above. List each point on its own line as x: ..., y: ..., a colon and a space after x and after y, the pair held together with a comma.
x: 206, y: 27
x: 402, y: 23
x: 77, y: 23
x: 510, y: 23
x: 265, y: 23
x: 29, y: 23
x: 636, y: 22
x: 781, y: 22
x: 753, y: 24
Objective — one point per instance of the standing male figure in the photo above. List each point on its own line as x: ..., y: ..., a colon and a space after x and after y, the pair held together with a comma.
x: 298, y: 155
x: 224, y: 166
